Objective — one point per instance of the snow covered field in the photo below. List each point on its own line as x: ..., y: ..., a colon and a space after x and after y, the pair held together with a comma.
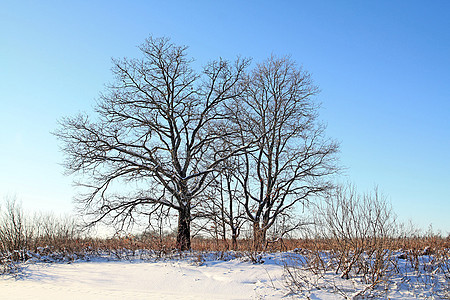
x: 197, y: 276
x: 232, y: 279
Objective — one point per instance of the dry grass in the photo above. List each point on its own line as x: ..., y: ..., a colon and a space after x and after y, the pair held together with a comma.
x: 23, y: 237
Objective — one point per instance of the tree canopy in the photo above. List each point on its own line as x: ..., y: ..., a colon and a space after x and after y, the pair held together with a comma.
x: 169, y: 132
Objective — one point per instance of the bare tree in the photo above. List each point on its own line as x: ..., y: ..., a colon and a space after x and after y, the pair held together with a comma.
x: 292, y: 159
x: 232, y: 212
x: 155, y: 132
x: 224, y: 210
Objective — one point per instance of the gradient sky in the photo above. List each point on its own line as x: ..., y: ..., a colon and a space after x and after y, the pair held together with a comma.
x: 383, y: 68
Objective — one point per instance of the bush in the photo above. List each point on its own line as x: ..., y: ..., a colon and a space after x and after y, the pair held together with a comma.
x: 23, y: 237
x: 357, y: 232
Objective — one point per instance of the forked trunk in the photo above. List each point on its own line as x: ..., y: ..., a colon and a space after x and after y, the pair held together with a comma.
x: 184, y: 230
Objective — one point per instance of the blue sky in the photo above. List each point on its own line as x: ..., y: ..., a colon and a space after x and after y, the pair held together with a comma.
x: 383, y: 68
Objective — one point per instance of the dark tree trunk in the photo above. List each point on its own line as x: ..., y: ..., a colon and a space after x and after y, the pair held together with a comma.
x: 234, y: 244
x: 259, y: 236
x: 184, y: 229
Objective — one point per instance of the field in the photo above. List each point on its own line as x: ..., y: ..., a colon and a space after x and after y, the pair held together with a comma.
x: 43, y: 257
x: 137, y: 279
x: 121, y: 273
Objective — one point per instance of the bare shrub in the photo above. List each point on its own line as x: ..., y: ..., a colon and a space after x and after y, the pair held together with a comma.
x: 360, y: 228
x: 15, y: 235
x: 23, y: 237
x: 357, y: 230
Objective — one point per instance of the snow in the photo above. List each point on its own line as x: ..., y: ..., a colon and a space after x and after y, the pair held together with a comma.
x: 200, y: 276
x: 234, y: 279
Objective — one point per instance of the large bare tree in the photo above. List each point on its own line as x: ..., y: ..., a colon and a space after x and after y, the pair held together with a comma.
x: 292, y: 159
x: 152, y: 140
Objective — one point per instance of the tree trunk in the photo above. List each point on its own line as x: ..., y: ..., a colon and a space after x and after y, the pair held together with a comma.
x: 259, y: 236
x: 184, y: 229
x: 234, y: 244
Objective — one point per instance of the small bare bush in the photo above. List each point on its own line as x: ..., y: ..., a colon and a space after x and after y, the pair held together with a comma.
x: 357, y: 230
x: 360, y: 228
x: 15, y: 235
x: 23, y: 237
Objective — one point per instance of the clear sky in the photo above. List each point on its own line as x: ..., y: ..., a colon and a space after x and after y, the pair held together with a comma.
x: 383, y: 68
